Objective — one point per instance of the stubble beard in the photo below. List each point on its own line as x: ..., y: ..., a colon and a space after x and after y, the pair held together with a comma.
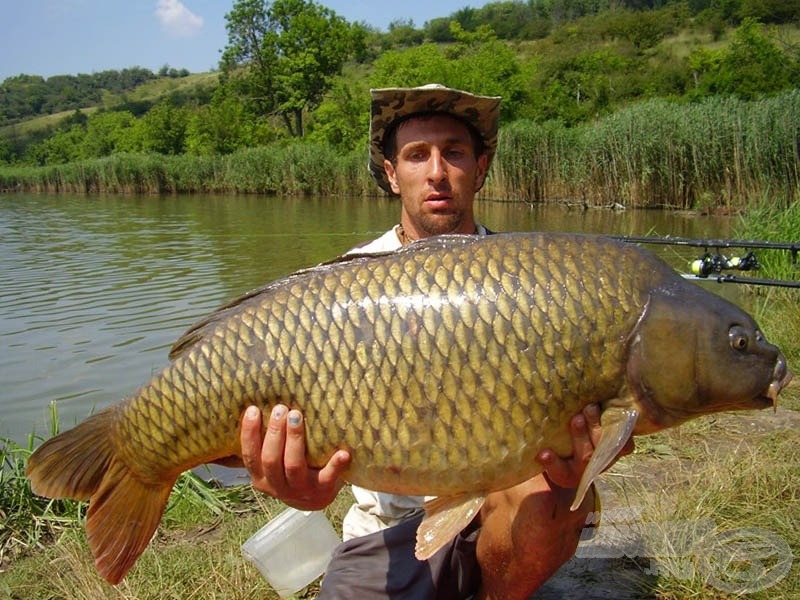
x: 440, y: 223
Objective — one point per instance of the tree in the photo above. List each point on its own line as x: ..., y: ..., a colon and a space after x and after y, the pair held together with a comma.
x: 6, y: 152
x: 106, y: 133
x: 403, y: 33
x: 163, y: 129
x: 64, y: 146
x: 478, y: 62
x: 770, y: 11
x: 284, y: 55
x: 413, y: 66
x: 438, y: 30
x: 225, y: 125
x: 749, y: 68
x: 342, y: 120
x: 487, y: 65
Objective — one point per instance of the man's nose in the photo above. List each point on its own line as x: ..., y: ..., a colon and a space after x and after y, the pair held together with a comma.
x: 438, y: 167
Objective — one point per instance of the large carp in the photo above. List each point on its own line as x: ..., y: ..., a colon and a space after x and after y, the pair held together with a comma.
x: 443, y: 368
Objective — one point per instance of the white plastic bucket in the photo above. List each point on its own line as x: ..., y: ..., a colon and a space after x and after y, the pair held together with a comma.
x: 292, y: 550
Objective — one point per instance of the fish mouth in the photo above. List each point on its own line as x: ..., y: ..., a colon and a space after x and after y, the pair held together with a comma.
x: 781, y: 377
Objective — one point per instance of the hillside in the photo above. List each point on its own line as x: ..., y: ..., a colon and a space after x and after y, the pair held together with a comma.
x: 140, y: 97
x: 550, y: 65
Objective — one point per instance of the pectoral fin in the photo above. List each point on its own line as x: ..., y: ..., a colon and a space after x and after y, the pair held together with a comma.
x: 445, y: 518
x: 616, y: 427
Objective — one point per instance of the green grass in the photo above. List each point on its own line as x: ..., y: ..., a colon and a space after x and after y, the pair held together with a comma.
x: 161, y: 87
x: 777, y: 310
x: 744, y: 481
x: 714, y: 468
x: 195, y: 553
x: 777, y: 221
x: 28, y: 521
x: 43, y: 123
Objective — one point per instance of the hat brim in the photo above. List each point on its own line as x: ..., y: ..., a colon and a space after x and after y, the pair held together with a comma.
x: 389, y: 105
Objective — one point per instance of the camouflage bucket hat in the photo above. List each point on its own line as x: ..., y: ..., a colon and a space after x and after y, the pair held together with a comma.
x: 392, y: 104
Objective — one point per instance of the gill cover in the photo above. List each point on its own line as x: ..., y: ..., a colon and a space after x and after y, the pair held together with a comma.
x: 695, y: 353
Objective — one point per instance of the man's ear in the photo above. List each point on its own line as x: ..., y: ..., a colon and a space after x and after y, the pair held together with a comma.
x: 391, y: 175
x: 483, y: 167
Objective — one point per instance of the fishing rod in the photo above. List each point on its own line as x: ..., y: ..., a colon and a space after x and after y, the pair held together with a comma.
x: 710, y: 266
x: 727, y: 278
x: 793, y: 247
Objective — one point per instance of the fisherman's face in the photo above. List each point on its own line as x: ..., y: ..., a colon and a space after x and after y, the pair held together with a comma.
x: 436, y: 174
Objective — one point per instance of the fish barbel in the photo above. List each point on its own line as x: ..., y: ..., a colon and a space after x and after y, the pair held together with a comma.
x: 443, y: 368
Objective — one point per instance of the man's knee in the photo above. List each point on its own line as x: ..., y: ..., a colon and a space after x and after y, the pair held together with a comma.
x: 527, y: 533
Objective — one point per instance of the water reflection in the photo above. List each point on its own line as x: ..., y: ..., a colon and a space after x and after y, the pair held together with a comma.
x: 97, y: 288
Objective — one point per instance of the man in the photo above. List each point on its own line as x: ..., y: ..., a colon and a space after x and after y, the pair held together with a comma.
x: 432, y: 147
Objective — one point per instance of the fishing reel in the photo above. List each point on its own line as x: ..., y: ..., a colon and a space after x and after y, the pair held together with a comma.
x: 716, y: 263
x: 713, y: 264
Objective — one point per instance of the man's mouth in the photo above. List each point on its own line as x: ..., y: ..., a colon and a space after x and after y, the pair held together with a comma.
x: 438, y: 200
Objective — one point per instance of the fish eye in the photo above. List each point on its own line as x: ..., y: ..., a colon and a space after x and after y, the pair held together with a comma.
x: 738, y: 338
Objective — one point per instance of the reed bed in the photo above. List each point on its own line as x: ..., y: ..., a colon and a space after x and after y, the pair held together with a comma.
x: 720, y: 153
x: 287, y: 169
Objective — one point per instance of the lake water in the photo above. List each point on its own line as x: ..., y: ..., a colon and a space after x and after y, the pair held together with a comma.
x: 96, y: 288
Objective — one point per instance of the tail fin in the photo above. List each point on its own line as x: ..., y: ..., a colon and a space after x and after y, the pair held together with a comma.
x: 123, y: 510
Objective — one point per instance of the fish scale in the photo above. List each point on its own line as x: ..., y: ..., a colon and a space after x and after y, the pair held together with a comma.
x: 443, y: 368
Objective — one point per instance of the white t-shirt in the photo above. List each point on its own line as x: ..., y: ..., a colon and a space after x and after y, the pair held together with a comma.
x: 374, y: 511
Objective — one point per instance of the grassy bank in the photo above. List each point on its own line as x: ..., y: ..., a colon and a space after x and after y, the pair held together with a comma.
x: 195, y: 553
x: 685, y: 500
x: 773, y: 223
x: 717, y: 154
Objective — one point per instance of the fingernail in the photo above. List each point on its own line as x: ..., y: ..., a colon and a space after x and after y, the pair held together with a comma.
x: 580, y: 421
x: 252, y: 413
x: 294, y: 417
x: 278, y: 412
x: 593, y: 410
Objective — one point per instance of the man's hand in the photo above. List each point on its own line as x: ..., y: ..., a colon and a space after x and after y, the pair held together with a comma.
x: 585, y: 431
x: 277, y: 463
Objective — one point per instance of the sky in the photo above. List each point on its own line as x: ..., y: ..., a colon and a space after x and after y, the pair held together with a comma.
x: 67, y: 37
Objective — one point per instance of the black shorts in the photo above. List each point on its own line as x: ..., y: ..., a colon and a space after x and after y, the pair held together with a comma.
x: 382, y: 565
